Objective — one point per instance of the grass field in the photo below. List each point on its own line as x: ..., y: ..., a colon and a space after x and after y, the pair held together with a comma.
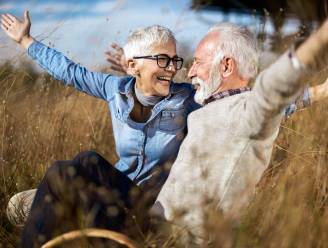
x: 42, y: 121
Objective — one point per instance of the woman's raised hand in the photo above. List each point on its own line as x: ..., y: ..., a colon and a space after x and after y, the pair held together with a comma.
x: 16, y: 29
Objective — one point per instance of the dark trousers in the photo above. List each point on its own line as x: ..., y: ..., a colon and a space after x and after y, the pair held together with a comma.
x: 84, y: 192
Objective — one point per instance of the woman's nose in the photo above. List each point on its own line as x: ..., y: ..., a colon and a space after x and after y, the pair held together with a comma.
x: 171, y: 67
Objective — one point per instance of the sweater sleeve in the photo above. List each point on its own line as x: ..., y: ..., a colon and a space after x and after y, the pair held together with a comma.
x: 274, y: 89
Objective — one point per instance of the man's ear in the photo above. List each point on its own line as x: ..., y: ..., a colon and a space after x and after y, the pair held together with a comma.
x: 132, y: 68
x: 227, y: 67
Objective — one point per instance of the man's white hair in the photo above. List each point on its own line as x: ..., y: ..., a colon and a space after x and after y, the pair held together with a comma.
x: 142, y: 41
x: 240, y: 44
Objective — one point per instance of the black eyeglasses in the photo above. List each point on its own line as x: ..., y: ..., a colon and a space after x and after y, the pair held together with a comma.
x: 163, y: 60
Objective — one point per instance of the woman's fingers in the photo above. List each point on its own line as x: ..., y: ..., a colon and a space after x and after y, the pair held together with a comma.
x: 4, y: 27
x: 5, y: 23
x: 7, y: 20
x: 27, y: 16
x: 11, y: 17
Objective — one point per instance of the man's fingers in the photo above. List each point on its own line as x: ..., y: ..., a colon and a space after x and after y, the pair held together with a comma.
x: 113, y: 56
x: 117, y: 47
x: 109, y: 53
x: 114, y: 45
x: 116, y: 68
x: 112, y: 61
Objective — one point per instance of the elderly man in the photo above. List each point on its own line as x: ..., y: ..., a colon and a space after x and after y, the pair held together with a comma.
x: 230, y: 139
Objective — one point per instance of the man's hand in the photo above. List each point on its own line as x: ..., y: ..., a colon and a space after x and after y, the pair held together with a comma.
x: 116, y: 58
x: 16, y: 29
x: 313, y: 52
x: 319, y: 92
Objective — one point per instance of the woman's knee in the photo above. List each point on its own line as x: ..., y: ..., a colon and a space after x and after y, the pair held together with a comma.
x: 59, y: 173
x: 88, y: 157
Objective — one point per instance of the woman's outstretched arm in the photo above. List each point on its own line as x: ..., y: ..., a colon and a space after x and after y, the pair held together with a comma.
x: 55, y: 63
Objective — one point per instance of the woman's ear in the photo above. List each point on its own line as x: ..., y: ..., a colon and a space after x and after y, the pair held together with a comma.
x: 132, y: 68
x: 227, y: 66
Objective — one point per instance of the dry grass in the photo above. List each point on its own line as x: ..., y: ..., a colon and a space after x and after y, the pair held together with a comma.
x: 42, y: 121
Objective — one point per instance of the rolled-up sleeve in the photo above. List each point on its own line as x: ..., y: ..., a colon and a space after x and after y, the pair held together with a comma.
x: 303, y: 101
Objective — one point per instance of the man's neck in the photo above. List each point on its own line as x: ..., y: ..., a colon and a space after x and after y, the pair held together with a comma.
x: 231, y: 85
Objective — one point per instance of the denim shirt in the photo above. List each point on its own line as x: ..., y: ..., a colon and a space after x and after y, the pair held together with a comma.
x: 143, y: 148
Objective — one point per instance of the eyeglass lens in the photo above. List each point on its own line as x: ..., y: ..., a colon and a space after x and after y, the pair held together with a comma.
x: 164, y: 61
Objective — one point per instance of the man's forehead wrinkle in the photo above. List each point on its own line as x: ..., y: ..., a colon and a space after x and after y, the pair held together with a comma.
x: 206, y: 49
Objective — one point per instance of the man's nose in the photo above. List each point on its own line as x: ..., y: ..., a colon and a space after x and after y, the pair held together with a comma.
x: 192, y: 71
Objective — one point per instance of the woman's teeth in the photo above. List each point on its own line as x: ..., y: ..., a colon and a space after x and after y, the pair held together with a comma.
x: 164, y: 78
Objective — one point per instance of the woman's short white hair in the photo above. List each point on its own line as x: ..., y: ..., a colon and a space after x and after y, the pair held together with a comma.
x: 142, y: 41
x: 240, y: 44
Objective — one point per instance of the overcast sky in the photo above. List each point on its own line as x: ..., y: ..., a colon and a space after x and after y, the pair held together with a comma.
x: 83, y: 29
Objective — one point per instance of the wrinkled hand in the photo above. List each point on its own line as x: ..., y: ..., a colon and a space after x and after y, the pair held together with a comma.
x: 16, y: 29
x: 313, y: 51
x: 116, y: 58
x: 319, y: 92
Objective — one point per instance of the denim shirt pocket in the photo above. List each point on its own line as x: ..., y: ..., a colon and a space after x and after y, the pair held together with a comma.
x: 172, y: 120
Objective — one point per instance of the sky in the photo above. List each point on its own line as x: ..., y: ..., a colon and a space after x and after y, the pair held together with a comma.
x: 83, y: 29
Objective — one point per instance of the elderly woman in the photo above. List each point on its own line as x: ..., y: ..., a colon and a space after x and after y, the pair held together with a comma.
x: 148, y: 113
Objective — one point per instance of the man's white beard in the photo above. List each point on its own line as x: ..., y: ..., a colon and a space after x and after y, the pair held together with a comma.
x: 206, y: 89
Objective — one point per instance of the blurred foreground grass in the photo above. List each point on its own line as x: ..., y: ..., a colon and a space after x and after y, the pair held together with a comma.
x: 41, y: 122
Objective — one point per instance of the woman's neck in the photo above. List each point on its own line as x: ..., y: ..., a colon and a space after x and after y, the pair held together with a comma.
x: 145, y: 100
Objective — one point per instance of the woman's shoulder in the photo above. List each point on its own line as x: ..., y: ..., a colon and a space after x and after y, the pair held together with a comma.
x: 122, y: 84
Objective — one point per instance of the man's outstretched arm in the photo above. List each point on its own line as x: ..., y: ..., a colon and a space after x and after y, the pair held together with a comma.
x: 279, y: 84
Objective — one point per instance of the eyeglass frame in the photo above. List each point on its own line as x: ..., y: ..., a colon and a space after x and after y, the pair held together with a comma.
x: 155, y: 57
